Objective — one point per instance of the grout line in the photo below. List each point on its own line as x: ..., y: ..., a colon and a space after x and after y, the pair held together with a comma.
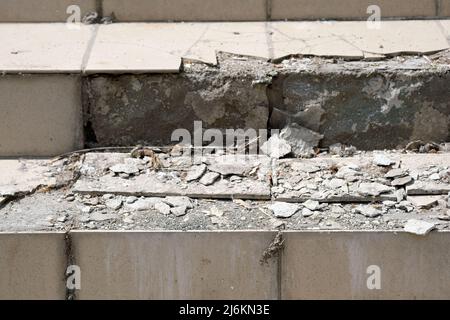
x: 279, y: 275
x: 99, y: 7
x: 87, y: 53
x: 268, y: 10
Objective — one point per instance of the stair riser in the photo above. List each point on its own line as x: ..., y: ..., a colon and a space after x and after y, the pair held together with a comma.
x: 218, y: 10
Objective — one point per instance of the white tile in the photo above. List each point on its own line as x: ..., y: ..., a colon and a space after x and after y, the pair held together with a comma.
x: 43, y: 47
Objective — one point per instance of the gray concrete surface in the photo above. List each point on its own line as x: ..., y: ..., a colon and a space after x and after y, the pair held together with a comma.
x: 338, y: 265
x: 32, y: 266
x: 172, y: 265
x: 41, y: 115
x: 208, y: 10
x: 42, y: 10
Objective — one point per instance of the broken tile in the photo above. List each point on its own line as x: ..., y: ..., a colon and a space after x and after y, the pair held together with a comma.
x: 424, y: 202
x: 395, y: 173
x: 179, y: 211
x: 368, y: 211
x: 427, y: 188
x: 419, y: 227
x: 373, y: 188
x: 19, y: 177
x: 382, y: 160
x: 276, y: 147
x: 302, y: 140
x: 162, y: 208
x: 399, y: 182
x: 113, y: 204
x: 311, y: 205
x: 284, y: 209
x: 209, y: 178
x: 196, y: 172
x: 178, y: 201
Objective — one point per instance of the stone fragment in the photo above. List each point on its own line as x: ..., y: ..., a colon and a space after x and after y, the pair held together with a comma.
x: 113, y: 204
x: 382, y: 160
x: 347, y: 172
x: 424, y: 202
x: 400, y: 194
x: 399, y: 182
x: 405, y: 205
x: 128, y: 220
x: 368, y: 211
x: 209, y: 178
x: 335, y: 183
x: 177, y: 201
x: 306, y: 212
x: 196, y: 172
x: 342, y: 150
x: 142, y: 204
x: 87, y: 209
x: 373, y: 188
x: 107, y: 196
x: 302, y: 140
x: 276, y: 147
x: 434, y: 176
x: 427, y: 188
x: 163, y: 208
x: 389, y: 203
x: 311, y: 205
x: 396, y: 173
x: 418, y: 227
x: 127, y: 168
x: 284, y: 209
x: 2, y: 200
x: 131, y: 199
x: 179, y: 211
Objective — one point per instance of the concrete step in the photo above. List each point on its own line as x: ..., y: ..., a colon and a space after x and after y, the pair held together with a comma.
x: 218, y: 10
x: 65, y: 89
x: 131, y: 245
x: 225, y: 265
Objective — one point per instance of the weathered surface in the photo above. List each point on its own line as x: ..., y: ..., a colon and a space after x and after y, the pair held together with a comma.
x: 21, y: 177
x: 371, y: 105
x: 247, y: 179
x: 130, y: 109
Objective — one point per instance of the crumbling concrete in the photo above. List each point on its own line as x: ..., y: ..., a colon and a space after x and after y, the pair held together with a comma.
x: 366, y: 104
x: 125, y: 110
x: 370, y: 105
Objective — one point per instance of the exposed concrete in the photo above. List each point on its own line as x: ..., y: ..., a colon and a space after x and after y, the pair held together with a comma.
x: 42, y: 10
x: 32, y: 266
x: 383, y: 104
x: 129, y: 109
x: 40, y: 115
x: 172, y: 265
x: 368, y: 105
x: 336, y: 265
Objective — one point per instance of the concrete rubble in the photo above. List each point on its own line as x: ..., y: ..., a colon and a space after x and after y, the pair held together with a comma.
x: 117, y: 191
